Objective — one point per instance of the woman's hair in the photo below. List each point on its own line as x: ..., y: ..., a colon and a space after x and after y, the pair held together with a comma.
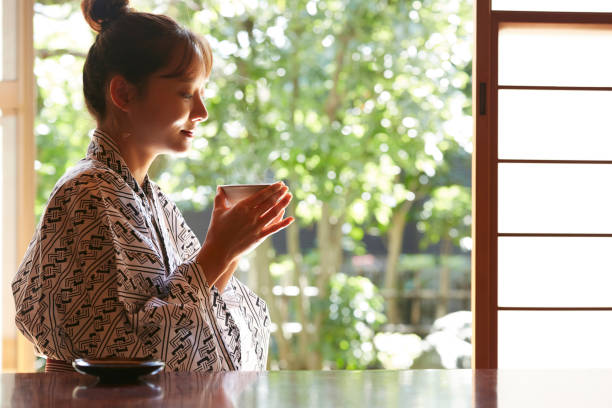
x: 135, y: 45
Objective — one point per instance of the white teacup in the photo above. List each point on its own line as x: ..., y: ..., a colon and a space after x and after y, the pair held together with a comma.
x: 238, y: 192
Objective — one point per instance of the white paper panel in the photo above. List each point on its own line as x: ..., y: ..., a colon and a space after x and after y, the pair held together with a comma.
x: 555, y: 55
x: 554, y: 198
x: 555, y: 388
x: 554, y: 125
x: 554, y: 272
x: 594, y: 6
x: 554, y: 339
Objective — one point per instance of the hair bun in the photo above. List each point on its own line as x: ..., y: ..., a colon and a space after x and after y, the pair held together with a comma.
x: 100, y: 13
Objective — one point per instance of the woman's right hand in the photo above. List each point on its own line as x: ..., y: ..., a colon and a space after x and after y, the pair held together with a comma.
x: 234, y: 229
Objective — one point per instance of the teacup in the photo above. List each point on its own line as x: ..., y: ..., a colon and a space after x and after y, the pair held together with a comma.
x: 238, y: 192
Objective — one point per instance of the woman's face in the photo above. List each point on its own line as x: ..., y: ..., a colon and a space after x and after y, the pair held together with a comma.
x: 166, y: 113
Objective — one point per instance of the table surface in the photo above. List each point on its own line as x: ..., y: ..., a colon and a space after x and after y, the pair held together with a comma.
x: 379, y: 388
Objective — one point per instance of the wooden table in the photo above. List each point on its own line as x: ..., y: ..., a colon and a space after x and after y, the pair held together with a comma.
x: 418, y: 388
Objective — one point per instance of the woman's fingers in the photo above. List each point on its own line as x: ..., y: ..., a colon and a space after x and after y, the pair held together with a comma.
x: 272, y: 199
x: 276, y: 219
x: 268, y: 204
x: 277, y: 209
x: 279, y: 216
x: 220, y: 198
x: 276, y: 227
x: 256, y: 200
x: 241, y: 225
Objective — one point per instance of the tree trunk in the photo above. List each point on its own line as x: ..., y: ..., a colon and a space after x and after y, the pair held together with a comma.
x: 303, y: 360
x: 329, y: 243
x: 446, y: 247
x: 334, y: 99
x: 415, y: 309
x: 329, y: 240
x: 396, y: 237
x: 262, y: 258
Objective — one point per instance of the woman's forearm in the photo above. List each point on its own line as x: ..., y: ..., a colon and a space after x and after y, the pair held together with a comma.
x: 225, y: 277
x: 214, y: 262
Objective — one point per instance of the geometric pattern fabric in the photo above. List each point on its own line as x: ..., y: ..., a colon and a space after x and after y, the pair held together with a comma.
x: 111, y: 272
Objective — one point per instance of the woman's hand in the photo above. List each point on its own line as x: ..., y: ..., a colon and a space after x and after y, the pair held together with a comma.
x: 235, y: 229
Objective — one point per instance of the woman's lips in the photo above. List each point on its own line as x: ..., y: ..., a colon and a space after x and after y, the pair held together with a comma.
x: 187, y: 133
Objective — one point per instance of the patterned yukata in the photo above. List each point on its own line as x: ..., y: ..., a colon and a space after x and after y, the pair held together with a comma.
x: 111, y: 272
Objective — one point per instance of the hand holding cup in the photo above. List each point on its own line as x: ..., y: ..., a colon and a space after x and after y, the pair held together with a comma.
x: 237, y: 226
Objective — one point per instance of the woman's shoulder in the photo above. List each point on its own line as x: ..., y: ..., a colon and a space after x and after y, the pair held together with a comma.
x: 87, y: 177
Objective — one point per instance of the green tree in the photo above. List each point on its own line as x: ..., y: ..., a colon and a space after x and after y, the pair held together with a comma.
x: 353, y: 103
x: 445, y: 219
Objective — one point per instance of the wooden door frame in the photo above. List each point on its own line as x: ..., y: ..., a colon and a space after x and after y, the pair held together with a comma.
x: 484, y: 227
x: 17, y: 99
x: 484, y: 166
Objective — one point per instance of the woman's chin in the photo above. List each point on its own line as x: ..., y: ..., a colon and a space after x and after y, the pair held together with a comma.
x: 179, y: 149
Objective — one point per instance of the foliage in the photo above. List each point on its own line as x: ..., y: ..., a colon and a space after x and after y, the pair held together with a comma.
x: 62, y: 122
x: 446, y: 214
x: 353, y: 315
x: 359, y: 106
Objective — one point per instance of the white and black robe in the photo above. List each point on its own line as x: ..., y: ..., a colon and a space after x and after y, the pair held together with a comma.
x: 111, y: 272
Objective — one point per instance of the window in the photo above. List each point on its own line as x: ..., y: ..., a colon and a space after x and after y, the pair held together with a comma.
x: 361, y: 110
x: 543, y: 160
x: 16, y: 162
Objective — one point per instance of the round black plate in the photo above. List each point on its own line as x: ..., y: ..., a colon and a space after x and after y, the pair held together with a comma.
x: 117, y: 371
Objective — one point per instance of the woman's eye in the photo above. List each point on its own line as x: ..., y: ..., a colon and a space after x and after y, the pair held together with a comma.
x: 187, y: 95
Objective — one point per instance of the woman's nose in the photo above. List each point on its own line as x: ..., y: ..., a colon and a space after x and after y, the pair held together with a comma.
x: 199, y: 112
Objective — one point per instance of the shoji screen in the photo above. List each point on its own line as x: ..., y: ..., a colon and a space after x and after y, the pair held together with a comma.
x: 542, y: 277
x: 551, y: 128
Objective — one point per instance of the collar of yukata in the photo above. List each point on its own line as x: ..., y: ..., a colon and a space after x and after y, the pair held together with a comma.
x: 104, y: 149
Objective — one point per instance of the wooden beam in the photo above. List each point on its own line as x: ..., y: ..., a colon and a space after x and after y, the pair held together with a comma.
x: 484, y: 290
x: 9, y: 95
x: 26, y: 154
x: 553, y: 17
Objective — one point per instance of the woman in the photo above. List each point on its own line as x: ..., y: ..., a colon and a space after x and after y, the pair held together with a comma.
x: 113, y: 270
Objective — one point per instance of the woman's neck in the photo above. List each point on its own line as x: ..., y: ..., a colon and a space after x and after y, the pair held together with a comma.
x: 137, y: 158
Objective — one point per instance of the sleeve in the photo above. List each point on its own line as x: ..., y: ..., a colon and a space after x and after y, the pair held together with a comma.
x: 93, y: 285
x: 249, y: 311
x: 251, y: 315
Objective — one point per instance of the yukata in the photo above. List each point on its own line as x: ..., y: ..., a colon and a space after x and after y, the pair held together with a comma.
x: 111, y: 273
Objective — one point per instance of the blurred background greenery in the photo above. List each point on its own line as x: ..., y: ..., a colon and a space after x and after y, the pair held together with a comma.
x: 363, y: 108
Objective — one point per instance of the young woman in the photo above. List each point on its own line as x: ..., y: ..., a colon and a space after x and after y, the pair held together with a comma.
x: 113, y: 270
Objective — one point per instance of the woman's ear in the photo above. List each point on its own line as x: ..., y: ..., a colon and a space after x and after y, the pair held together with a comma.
x: 121, y: 92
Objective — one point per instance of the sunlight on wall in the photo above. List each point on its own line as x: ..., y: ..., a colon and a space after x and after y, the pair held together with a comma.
x: 1, y: 42
x: 2, y: 257
x: 8, y: 226
x: 1, y: 162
